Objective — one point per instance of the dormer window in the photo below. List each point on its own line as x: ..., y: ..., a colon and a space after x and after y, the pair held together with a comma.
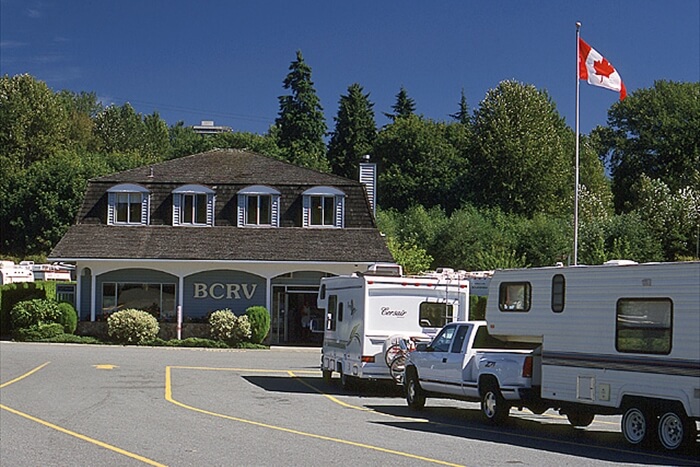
x: 128, y: 204
x: 324, y: 207
x: 193, y: 205
x: 258, y: 206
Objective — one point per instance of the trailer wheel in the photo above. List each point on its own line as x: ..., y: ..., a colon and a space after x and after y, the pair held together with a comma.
x: 415, y: 397
x: 580, y: 419
x: 675, y: 430
x: 327, y: 374
x: 637, y: 425
x: 494, y: 407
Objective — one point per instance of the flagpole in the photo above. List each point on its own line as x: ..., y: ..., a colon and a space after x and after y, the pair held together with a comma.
x: 576, y: 174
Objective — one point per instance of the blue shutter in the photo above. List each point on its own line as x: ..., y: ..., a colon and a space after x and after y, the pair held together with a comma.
x: 339, y: 211
x: 177, y: 201
x: 275, y: 208
x: 145, y: 208
x: 306, y: 217
x: 111, y: 208
x: 241, y: 210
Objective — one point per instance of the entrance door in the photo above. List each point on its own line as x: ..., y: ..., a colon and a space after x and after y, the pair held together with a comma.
x: 295, y: 318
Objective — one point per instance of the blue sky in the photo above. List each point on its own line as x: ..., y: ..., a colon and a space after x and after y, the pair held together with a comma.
x: 226, y: 60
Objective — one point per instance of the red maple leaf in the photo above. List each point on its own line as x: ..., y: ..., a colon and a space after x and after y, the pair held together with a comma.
x: 603, y: 68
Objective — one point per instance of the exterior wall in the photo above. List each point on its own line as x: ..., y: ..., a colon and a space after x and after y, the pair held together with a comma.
x: 218, y: 289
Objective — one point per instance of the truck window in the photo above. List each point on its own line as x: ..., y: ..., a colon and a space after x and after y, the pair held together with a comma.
x: 330, y: 312
x: 459, y: 339
x: 434, y: 315
x: 514, y: 296
x: 558, y: 293
x: 644, y: 325
x: 442, y: 341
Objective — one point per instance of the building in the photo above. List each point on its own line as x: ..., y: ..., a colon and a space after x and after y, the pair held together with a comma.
x: 220, y: 229
x: 207, y: 127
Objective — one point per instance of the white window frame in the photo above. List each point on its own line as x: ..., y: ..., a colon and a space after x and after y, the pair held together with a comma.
x: 324, y: 193
x: 132, y: 192
x: 255, y: 192
x: 193, y: 192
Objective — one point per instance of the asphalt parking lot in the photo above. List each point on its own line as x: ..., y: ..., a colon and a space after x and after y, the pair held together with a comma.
x: 63, y: 404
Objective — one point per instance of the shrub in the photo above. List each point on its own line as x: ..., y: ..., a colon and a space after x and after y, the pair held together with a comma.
x: 33, y: 312
x: 229, y: 328
x: 132, y: 326
x: 69, y: 317
x: 259, y: 319
x: 37, y: 332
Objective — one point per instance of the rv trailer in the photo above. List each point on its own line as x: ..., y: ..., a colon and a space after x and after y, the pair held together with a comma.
x: 618, y: 338
x: 365, y: 312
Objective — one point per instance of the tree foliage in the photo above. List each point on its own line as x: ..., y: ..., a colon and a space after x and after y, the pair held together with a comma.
x: 404, y: 106
x: 521, y: 157
x: 354, y: 134
x: 653, y: 132
x: 300, y: 120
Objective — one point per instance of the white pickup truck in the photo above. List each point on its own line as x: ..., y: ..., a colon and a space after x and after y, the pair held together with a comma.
x: 464, y: 362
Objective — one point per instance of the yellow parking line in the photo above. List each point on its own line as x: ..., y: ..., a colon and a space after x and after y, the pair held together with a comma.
x: 68, y: 432
x: 169, y: 398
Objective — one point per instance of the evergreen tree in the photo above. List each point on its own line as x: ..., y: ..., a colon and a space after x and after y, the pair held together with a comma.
x: 300, y: 121
x: 462, y: 115
x: 404, y: 106
x: 355, y: 132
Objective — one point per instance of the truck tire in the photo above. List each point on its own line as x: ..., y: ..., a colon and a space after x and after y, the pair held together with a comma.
x: 415, y: 397
x: 580, y: 419
x: 637, y: 425
x: 346, y: 381
x: 675, y: 430
x: 494, y: 408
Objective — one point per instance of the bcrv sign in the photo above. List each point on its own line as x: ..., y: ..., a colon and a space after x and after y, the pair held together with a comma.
x: 220, y: 291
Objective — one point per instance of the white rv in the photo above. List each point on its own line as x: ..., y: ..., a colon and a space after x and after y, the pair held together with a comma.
x: 10, y: 273
x: 615, y: 339
x: 363, y: 311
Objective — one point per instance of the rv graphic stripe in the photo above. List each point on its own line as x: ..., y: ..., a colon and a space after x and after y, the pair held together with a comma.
x: 645, y: 364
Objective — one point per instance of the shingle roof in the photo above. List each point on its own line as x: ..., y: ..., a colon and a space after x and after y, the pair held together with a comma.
x: 226, y: 166
x: 86, y: 241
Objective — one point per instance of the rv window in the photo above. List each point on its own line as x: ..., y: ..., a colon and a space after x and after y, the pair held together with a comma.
x: 340, y: 311
x: 322, y: 293
x: 514, y: 296
x: 434, y: 315
x: 330, y: 312
x: 558, y: 293
x: 644, y: 325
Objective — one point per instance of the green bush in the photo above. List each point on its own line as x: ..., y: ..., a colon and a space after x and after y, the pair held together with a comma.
x: 73, y: 339
x: 69, y: 317
x: 197, y: 342
x: 477, y: 307
x: 229, y: 328
x: 259, y: 319
x: 32, y: 312
x: 37, y: 332
x: 132, y: 326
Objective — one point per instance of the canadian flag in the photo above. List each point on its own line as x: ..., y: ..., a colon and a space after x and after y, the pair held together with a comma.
x: 595, y: 69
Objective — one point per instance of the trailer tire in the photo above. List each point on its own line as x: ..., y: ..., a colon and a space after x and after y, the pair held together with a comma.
x: 327, y: 376
x: 637, y: 425
x: 494, y: 408
x: 675, y: 430
x: 415, y: 397
x: 580, y: 419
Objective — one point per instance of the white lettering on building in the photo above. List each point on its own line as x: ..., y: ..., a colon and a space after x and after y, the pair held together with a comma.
x: 219, y: 291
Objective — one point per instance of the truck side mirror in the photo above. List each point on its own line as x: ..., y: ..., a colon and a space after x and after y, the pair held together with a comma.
x: 423, y: 347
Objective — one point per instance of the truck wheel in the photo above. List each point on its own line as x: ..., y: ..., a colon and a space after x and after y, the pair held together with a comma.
x: 415, y: 397
x: 676, y: 430
x: 346, y: 381
x: 326, y: 376
x: 494, y: 407
x: 580, y: 419
x: 637, y: 426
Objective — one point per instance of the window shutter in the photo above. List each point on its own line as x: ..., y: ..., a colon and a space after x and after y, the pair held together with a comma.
x: 211, y: 201
x: 306, y: 208
x: 339, y: 211
x: 177, y: 201
x: 111, y: 207
x: 275, y: 208
x: 241, y: 210
x: 145, y: 208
